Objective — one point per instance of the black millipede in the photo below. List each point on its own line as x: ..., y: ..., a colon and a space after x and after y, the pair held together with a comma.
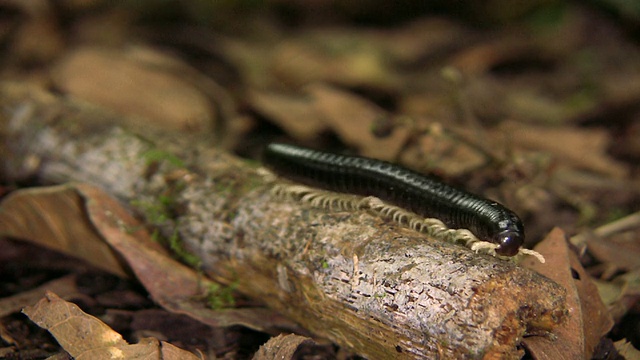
x: 457, y: 209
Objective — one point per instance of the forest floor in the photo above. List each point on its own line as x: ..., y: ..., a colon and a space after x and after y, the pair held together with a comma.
x: 537, y: 107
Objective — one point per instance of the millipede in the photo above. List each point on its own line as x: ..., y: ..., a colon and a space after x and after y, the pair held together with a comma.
x: 425, y: 196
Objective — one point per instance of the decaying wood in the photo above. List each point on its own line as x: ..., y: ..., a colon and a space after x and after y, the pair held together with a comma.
x: 367, y: 284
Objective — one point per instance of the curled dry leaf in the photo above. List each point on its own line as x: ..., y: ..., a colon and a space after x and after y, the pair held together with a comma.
x: 85, y: 337
x: 588, y: 318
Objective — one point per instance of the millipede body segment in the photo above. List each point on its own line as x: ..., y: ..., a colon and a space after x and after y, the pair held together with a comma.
x: 423, y: 195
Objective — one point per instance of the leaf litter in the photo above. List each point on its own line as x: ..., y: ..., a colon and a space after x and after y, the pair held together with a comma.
x: 538, y: 116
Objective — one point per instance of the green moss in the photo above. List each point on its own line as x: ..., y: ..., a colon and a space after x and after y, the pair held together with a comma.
x: 156, y: 212
x: 157, y: 155
x: 221, y: 297
x: 175, y: 244
x: 159, y: 210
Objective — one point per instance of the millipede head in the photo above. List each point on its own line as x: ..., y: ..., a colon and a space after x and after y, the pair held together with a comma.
x: 509, y: 242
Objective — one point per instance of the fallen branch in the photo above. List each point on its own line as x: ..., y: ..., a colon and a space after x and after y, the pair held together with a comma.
x: 365, y: 283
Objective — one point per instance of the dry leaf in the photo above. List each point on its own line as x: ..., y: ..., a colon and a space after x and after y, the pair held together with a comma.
x: 588, y: 319
x: 292, y: 347
x: 582, y: 148
x: 620, y: 255
x: 295, y: 114
x: 54, y: 217
x: 442, y: 152
x: 353, y: 118
x: 626, y: 349
x: 134, y: 87
x: 480, y: 58
x: 85, y: 337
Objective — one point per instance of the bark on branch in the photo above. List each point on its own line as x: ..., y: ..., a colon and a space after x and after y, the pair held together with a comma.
x: 367, y: 284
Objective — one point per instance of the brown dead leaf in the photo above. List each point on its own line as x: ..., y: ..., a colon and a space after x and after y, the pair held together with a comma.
x: 582, y: 148
x: 588, y: 318
x: 290, y: 347
x: 85, y: 337
x: 354, y: 119
x: 134, y: 87
x: 615, y: 244
x: 441, y: 151
x: 295, y: 114
x: 54, y: 217
x: 615, y: 251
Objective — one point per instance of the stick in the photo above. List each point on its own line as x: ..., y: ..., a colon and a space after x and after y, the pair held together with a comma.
x: 367, y: 284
